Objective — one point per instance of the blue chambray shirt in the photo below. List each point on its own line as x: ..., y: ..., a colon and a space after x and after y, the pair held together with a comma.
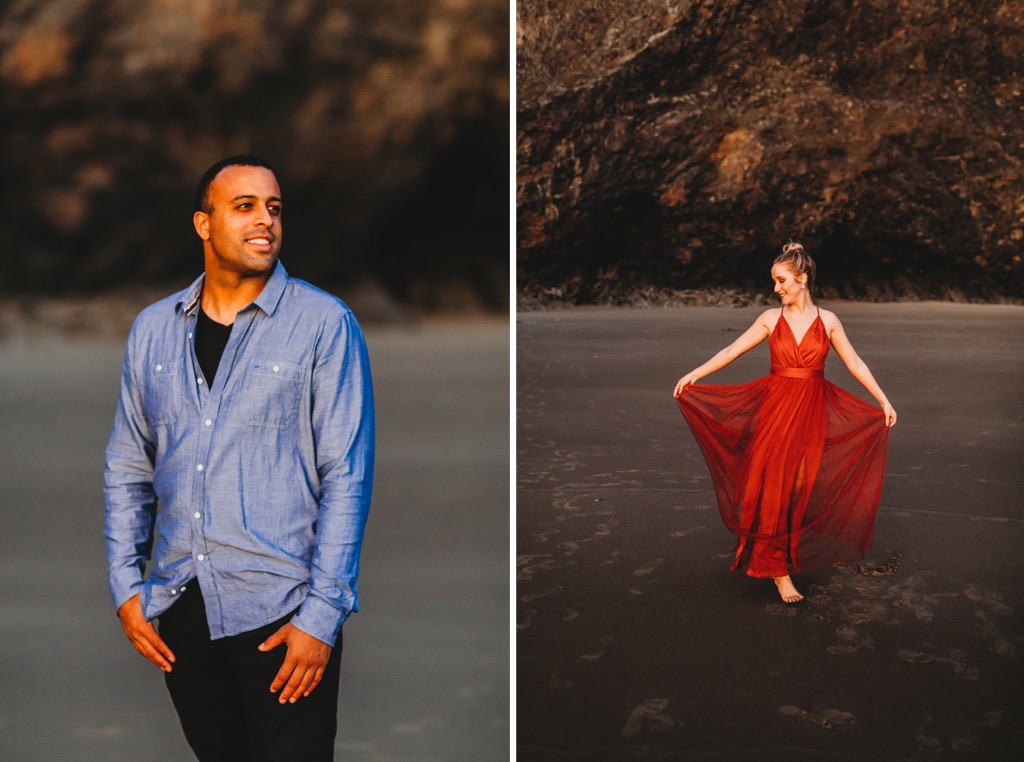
x: 259, y: 487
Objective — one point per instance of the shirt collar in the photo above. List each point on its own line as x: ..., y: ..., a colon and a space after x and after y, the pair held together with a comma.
x: 267, y: 301
x: 271, y: 294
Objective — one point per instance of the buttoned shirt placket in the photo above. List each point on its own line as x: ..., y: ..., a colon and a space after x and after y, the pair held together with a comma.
x: 208, y: 402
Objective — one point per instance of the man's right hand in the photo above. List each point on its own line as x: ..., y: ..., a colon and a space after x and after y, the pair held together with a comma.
x: 143, y: 634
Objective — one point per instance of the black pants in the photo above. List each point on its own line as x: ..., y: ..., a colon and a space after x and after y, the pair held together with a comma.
x: 221, y: 691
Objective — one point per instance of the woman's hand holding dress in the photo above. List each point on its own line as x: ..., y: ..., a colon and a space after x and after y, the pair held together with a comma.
x: 684, y: 382
x: 890, y: 415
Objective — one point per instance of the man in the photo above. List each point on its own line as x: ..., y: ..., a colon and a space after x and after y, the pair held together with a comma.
x: 243, y: 447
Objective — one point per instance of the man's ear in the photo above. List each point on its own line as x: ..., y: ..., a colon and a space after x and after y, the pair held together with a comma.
x: 201, y: 221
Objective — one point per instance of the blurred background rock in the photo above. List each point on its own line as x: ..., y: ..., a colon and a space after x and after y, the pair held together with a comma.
x: 666, y: 148
x: 386, y: 119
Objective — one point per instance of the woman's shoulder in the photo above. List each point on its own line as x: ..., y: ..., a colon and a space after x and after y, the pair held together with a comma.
x: 829, y: 318
x: 769, y: 318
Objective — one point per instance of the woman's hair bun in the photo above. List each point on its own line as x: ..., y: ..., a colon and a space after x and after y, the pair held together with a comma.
x: 797, y: 260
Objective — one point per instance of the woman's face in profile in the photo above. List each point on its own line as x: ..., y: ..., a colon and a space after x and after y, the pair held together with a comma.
x: 787, y: 283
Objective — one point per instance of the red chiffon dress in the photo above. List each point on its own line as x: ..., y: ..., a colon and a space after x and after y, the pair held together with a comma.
x: 797, y: 463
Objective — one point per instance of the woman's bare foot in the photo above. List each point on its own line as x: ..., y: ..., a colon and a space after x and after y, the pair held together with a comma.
x: 787, y: 590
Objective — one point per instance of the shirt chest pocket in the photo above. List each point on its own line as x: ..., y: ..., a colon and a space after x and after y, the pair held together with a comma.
x: 273, y: 393
x: 163, y: 392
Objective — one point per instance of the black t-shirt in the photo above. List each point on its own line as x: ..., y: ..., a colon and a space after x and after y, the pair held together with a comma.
x: 211, y: 338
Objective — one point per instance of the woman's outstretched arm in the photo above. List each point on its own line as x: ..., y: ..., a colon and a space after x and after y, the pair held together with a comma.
x: 858, y: 368
x: 758, y: 332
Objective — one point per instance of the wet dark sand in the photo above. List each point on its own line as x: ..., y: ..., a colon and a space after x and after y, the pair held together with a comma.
x: 425, y: 671
x: 635, y: 641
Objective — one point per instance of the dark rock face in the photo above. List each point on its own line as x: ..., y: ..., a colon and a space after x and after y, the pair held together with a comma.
x: 672, y: 146
x: 387, y: 121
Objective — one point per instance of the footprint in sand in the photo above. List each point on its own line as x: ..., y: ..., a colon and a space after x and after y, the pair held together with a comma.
x: 988, y: 630
x: 996, y: 719
x: 525, y: 568
x: 915, y: 657
x: 558, y: 683
x: 570, y: 615
x: 604, y: 643
x: 525, y: 573
x: 780, y: 609
x: 963, y: 738
x: 851, y: 641
x: 992, y: 600
x: 535, y: 596
x: 649, y: 717
x: 830, y: 719
x: 924, y: 739
x: 911, y: 596
x: 885, y: 569
x: 685, y: 532
x: 543, y: 537
x: 565, y: 505
x: 647, y: 568
x: 526, y: 619
x: 570, y: 546
x: 603, y: 530
x: 961, y: 668
x: 524, y: 560
x: 863, y: 611
x: 958, y: 659
x: 616, y: 556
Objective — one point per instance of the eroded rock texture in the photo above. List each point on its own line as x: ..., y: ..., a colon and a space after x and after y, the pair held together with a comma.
x: 676, y: 145
x: 387, y: 119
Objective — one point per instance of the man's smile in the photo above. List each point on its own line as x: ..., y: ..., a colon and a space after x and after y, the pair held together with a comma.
x: 261, y: 242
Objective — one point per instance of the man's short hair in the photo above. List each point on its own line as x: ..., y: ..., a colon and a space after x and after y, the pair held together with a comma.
x: 202, y: 200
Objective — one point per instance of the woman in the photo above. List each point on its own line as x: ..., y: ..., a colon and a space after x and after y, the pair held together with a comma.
x: 797, y: 462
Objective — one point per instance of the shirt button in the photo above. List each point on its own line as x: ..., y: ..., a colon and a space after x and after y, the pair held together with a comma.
x: 197, y: 514
x: 199, y: 380
x: 199, y: 467
x: 276, y: 368
x: 208, y: 422
x: 201, y: 557
x: 190, y: 335
x: 173, y: 591
x: 159, y: 367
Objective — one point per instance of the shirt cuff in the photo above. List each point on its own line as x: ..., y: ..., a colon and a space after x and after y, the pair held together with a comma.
x: 122, y: 592
x: 320, y: 619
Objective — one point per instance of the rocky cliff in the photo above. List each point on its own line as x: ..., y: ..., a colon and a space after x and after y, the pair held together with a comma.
x: 669, y: 146
x: 387, y: 121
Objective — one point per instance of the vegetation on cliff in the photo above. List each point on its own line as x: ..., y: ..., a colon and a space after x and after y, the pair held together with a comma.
x: 666, y: 147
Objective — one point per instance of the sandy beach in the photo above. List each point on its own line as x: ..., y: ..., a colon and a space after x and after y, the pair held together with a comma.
x: 425, y: 670
x: 634, y: 641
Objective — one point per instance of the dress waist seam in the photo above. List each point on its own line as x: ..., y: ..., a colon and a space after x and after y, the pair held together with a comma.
x: 778, y: 370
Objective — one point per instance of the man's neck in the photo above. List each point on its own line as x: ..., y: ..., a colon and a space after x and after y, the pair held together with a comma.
x: 225, y: 294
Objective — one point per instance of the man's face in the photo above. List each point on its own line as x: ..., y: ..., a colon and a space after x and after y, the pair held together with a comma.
x: 243, y: 232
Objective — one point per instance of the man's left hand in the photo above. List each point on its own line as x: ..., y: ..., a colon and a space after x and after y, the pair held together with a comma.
x: 303, y: 665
